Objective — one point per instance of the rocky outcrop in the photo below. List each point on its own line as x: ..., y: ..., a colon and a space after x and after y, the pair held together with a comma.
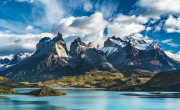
x: 86, y: 57
x: 91, y: 59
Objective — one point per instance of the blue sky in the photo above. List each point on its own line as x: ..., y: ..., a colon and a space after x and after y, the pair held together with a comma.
x: 24, y: 22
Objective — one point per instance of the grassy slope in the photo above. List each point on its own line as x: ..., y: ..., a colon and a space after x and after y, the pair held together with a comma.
x: 101, y: 79
x: 8, y: 83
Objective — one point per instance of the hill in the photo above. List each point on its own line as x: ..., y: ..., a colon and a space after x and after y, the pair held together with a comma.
x: 8, y: 83
x: 167, y: 80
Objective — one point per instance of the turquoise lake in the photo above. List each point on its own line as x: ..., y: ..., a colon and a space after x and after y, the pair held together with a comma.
x: 87, y: 99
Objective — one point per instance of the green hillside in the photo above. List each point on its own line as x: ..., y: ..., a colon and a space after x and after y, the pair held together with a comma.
x: 168, y: 80
x: 8, y: 83
x: 101, y: 79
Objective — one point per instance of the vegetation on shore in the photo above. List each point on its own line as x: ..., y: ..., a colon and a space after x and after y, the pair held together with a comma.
x: 46, y: 91
x: 7, y: 90
x: 8, y: 83
x: 165, y: 81
x: 101, y: 79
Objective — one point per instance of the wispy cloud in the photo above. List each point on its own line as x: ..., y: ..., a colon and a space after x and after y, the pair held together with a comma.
x: 170, y: 42
x: 167, y: 40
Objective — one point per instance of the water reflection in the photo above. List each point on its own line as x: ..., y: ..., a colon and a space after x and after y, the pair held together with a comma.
x: 84, y: 99
x: 7, y: 104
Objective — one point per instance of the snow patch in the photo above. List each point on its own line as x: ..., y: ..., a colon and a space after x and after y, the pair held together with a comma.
x: 109, y: 50
x: 10, y: 57
x: 138, y: 43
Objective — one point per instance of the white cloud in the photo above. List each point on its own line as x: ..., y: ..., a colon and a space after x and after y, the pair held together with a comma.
x: 90, y: 28
x: 172, y: 24
x: 175, y: 56
x: 126, y: 25
x: 30, y: 1
x: 29, y: 28
x: 88, y: 6
x: 173, y: 44
x: 156, y: 8
x: 13, y: 43
x: 148, y: 29
x: 157, y: 28
x: 167, y: 40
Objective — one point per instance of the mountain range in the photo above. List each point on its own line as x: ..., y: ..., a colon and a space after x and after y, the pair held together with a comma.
x: 52, y: 59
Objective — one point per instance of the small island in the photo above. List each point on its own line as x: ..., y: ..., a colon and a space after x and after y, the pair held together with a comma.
x: 44, y: 91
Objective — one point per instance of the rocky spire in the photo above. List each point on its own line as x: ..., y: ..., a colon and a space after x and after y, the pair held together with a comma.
x: 56, y: 46
x: 76, y: 47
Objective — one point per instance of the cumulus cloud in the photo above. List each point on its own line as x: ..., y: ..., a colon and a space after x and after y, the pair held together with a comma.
x: 156, y: 8
x: 124, y: 25
x: 90, y: 28
x: 172, y: 24
x: 175, y: 56
x: 13, y: 43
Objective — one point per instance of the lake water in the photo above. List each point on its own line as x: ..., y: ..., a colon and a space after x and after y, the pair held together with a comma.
x: 87, y: 99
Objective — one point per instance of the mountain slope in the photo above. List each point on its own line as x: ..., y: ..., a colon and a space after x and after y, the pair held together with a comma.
x: 136, y: 53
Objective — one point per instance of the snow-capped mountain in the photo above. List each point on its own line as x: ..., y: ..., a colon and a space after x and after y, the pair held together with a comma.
x: 10, y: 60
x: 52, y: 59
x: 137, y: 53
